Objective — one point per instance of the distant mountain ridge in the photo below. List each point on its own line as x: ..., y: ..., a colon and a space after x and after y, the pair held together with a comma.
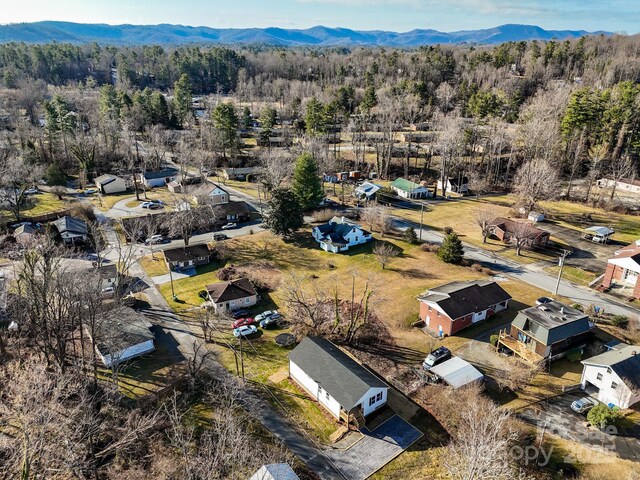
x: 49, y: 31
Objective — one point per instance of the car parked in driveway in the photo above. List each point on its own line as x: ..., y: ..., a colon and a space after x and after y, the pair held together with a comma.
x: 242, y: 312
x: 219, y: 237
x: 265, y: 315
x: 244, y: 331
x: 583, y: 405
x: 241, y: 322
x: 439, y: 355
x: 229, y: 226
x: 270, y: 320
x: 543, y: 300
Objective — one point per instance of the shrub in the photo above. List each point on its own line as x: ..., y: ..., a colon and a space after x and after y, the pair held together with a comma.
x: 448, y: 230
x: 602, y: 415
x: 493, y: 339
x: 578, y: 307
x: 620, y: 321
x: 574, y: 355
x: 487, y: 271
x: 477, y: 267
x: 227, y: 273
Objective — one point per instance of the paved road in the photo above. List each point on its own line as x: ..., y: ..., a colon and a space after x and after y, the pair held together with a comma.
x: 187, y: 337
x: 528, y: 274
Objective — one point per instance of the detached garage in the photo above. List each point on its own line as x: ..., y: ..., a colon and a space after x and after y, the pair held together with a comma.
x: 339, y: 383
x: 457, y: 372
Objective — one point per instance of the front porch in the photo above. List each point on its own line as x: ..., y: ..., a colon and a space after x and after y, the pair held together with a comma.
x: 518, y: 348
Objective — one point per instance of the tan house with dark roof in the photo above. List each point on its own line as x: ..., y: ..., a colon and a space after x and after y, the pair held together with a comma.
x: 232, y: 295
x: 211, y: 194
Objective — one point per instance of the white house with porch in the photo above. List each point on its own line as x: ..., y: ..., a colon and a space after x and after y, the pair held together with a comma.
x: 341, y: 385
x: 340, y: 234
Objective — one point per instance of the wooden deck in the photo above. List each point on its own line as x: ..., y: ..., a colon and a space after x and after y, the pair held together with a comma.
x: 519, y: 349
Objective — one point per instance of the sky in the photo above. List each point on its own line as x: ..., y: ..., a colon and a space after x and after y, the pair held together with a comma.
x: 394, y: 15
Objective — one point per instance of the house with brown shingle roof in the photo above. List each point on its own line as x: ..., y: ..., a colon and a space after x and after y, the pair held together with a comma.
x: 232, y: 295
x: 504, y: 228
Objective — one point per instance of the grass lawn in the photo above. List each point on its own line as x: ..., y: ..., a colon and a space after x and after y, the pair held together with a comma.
x: 154, y: 265
x: 106, y: 202
x: 573, y: 274
x: 267, y: 363
x: 40, y: 204
x: 248, y: 188
x: 187, y: 289
x: 149, y: 373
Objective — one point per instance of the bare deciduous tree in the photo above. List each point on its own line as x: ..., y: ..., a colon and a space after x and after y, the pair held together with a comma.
x: 384, y: 253
x: 483, y: 218
x: 536, y: 180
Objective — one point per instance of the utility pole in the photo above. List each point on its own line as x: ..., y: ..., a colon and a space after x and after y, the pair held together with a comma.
x: 565, y: 253
x: 241, y: 358
x: 421, y: 217
x: 173, y: 293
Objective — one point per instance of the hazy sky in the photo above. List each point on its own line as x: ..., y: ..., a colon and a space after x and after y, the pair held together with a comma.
x: 397, y: 15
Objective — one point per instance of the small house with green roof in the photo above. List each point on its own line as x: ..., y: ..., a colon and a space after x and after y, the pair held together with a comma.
x: 408, y: 189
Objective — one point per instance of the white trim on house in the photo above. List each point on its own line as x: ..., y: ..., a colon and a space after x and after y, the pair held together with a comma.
x: 611, y: 388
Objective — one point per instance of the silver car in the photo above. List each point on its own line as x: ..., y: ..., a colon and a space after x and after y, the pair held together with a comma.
x: 583, y: 405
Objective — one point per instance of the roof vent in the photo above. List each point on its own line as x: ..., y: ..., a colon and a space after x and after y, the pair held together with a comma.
x: 633, y: 353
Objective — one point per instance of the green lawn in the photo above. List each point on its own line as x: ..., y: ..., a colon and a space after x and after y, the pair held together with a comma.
x: 187, y: 289
x: 106, y: 202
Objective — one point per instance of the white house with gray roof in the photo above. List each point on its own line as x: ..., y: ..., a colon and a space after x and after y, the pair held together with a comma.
x: 339, y: 383
x: 340, y: 234
x: 613, y: 377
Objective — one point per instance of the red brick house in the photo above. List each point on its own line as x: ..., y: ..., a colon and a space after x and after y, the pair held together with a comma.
x: 623, y: 270
x: 503, y: 228
x: 452, y: 307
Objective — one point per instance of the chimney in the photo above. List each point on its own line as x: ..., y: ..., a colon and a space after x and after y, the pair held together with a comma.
x: 633, y: 353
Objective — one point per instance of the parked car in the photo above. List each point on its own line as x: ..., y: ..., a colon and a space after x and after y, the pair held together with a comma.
x: 146, y: 204
x: 543, y: 300
x: 241, y: 322
x: 244, y: 331
x: 583, y: 405
x: 270, y: 320
x: 439, y: 355
x: 155, y: 206
x: 91, y: 191
x: 327, y: 202
x: 242, y: 312
x: 31, y: 191
x: 219, y: 236
x: 265, y: 315
x: 108, y: 291
x: 156, y: 239
x: 229, y: 226
x: 157, y: 202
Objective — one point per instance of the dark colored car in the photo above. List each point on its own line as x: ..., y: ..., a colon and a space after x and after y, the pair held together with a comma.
x: 439, y: 355
x: 241, y: 322
x: 270, y: 320
x: 240, y: 313
x: 219, y: 236
x: 543, y: 300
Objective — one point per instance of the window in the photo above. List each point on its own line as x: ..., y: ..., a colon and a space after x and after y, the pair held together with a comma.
x: 608, y: 369
x: 614, y: 385
x: 326, y: 394
x: 247, y: 300
x: 372, y: 400
x: 233, y: 303
x: 379, y: 397
x: 599, y: 376
x: 429, y: 307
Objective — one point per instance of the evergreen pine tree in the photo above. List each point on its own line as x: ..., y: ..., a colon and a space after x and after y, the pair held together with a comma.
x: 451, y: 250
x: 285, y: 214
x: 410, y: 236
x: 307, y: 185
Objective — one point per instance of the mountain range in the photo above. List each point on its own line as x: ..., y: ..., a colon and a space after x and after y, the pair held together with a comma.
x: 164, y: 34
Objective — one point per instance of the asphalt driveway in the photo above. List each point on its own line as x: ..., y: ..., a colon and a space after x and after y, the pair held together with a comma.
x: 556, y: 417
x: 375, y: 449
